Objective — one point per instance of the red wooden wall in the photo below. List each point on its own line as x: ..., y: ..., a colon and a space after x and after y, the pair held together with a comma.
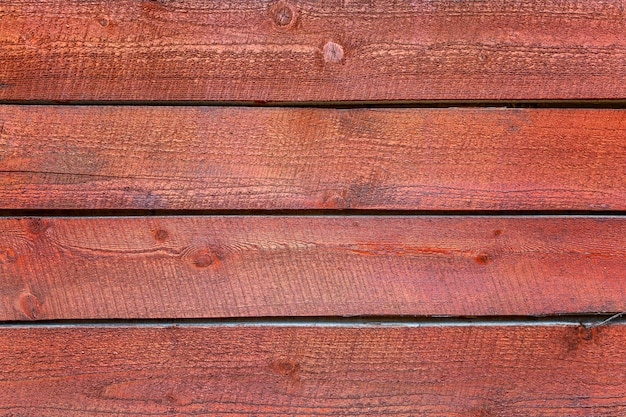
x: 246, y: 208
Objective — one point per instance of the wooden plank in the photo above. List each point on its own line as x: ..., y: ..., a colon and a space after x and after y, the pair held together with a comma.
x: 86, y: 157
x: 505, y: 371
x: 233, y: 266
x: 253, y: 50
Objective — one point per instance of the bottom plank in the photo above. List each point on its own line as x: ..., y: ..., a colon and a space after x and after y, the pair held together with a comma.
x: 455, y: 370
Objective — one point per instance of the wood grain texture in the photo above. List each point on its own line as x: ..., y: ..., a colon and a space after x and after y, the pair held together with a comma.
x: 238, y: 266
x: 258, y: 50
x: 505, y: 371
x: 93, y: 157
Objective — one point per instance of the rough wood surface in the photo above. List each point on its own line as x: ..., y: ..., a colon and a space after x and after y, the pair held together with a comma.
x: 255, y: 50
x: 76, y: 268
x: 89, y: 157
x: 504, y: 371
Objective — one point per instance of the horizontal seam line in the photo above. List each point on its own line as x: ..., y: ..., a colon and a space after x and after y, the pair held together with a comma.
x: 304, y: 213
x: 585, y: 320
x: 339, y: 104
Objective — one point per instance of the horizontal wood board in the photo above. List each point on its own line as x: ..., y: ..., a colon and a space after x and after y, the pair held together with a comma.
x: 311, y: 51
x: 181, y: 158
x: 504, y: 371
x: 249, y: 266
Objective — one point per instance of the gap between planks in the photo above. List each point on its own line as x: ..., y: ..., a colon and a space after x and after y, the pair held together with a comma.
x: 584, y: 320
x: 616, y: 104
x: 70, y: 213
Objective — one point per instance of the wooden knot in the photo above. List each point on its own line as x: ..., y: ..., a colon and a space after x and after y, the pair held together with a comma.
x: 204, y: 258
x: 283, y: 14
x: 161, y: 235
x: 333, y: 52
x: 483, y: 258
x: 7, y: 255
x: 30, y: 306
x: 37, y: 226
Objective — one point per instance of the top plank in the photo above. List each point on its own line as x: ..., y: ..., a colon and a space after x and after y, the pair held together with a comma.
x: 309, y: 51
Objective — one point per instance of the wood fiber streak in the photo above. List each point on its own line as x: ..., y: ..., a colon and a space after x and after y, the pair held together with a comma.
x: 195, y: 267
x: 257, y: 50
x: 533, y: 371
x: 87, y: 157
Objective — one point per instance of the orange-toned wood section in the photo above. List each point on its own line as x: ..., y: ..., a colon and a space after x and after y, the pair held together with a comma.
x: 451, y: 371
x: 91, y: 157
x: 233, y: 266
x: 288, y: 50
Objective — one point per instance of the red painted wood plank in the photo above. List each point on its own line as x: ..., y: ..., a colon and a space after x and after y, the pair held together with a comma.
x: 86, y: 157
x: 312, y: 51
x: 233, y: 266
x: 504, y: 371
